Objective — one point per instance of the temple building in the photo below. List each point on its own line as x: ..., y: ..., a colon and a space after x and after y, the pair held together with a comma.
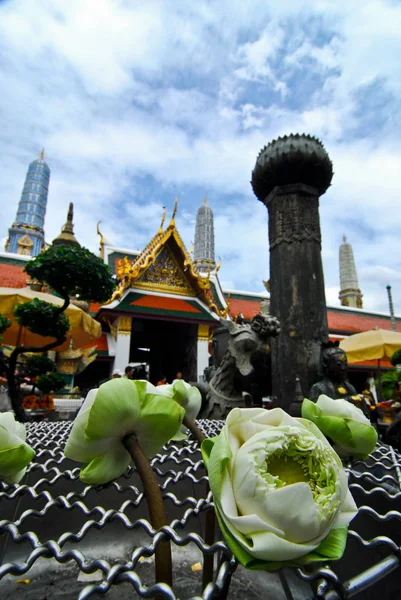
x: 350, y: 294
x: 26, y: 234
x: 168, y: 301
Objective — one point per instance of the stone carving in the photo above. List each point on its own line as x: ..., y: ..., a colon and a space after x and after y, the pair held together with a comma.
x: 292, y: 159
x: 289, y: 176
x: 247, y: 348
x: 335, y: 382
x: 291, y: 221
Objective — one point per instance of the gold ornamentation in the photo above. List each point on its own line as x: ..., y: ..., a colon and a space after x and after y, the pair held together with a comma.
x: 203, y: 332
x: 129, y: 272
x: 101, y: 247
x: 124, y: 326
x: 341, y: 390
x: 172, y: 222
x: 163, y: 219
x: 165, y: 275
x: 25, y: 245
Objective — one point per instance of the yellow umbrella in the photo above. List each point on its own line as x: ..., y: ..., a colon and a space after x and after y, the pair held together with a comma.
x: 83, y: 329
x: 371, y: 345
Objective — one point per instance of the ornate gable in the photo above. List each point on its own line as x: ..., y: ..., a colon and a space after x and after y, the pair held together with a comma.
x: 165, y: 274
x: 165, y: 265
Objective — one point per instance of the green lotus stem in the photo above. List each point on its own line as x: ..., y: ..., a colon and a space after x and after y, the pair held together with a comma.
x: 163, y: 562
x: 210, y: 521
x: 194, y: 429
x: 210, y: 517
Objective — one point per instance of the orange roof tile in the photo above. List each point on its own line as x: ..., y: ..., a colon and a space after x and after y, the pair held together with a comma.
x: 249, y: 308
x: 94, y: 307
x: 100, y: 344
x: 165, y: 303
x: 12, y: 276
x: 354, y: 323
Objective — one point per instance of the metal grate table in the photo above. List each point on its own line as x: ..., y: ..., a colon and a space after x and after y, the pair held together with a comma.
x: 70, y: 540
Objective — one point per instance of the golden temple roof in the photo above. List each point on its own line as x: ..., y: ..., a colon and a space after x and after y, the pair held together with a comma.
x: 128, y: 272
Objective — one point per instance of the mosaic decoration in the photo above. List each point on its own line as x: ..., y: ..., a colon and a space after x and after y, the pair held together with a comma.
x: 165, y: 274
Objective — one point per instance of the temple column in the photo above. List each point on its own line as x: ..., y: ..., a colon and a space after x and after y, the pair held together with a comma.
x: 203, y: 350
x: 123, y: 343
x: 289, y: 176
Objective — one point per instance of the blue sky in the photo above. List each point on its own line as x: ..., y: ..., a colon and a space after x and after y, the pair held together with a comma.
x: 136, y: 103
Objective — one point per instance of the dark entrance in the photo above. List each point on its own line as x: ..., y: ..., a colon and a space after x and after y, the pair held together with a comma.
x: 167, y: 346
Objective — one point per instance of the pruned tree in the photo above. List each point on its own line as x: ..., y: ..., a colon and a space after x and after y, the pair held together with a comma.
x: 70, y: 271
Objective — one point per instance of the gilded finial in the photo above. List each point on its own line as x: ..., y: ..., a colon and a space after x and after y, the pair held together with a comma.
x: 101, y: 247
x: 344, y: 239
x: 42, y: 154
x: 172, y: 222
x: 218, y: 265
x: 67, y: 236
x: 205, y: 200
x: 163, y: 219
x: 190, y: 251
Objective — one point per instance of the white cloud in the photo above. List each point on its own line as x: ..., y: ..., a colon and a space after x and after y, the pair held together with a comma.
x: 136, y: 103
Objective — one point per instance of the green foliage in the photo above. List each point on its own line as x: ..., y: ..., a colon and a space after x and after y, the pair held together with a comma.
x: 42, y: 318
x: 4, y: 324
x: 39, y: 365
x: 396, y: 358
x: 388, y: 381
x: 50, y: 382
x: 73, y: 271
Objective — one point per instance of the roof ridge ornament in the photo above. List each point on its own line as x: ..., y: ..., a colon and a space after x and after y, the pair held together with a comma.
x: 172, y: 222
x: 101, y: 247
x: 162, y: 221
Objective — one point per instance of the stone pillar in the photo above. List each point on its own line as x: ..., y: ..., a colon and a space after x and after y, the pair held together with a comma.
x: 290, y: 175
x: 123, y: 343
x: 203, y: 350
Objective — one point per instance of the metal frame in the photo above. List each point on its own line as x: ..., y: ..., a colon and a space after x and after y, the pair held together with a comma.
x: 375, y: 483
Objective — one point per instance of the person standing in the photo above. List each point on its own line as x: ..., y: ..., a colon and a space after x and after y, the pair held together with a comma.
x: 128, y: 372
x: 178, y: 376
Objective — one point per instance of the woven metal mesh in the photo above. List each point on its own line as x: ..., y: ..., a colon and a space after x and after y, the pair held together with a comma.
x: 53, y: 515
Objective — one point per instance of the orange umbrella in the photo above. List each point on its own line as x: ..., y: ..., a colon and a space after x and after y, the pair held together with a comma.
x: 83, y: 328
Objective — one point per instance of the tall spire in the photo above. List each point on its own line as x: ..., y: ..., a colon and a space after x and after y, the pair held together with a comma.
x: 350, y: 294
x: 204, y: 239
x: 67, y: 237
x: 26, y: 235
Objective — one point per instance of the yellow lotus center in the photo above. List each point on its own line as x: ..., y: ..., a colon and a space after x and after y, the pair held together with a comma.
x: 287, y: 470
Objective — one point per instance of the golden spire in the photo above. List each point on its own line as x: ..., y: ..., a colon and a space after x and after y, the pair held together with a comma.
x: 172, y: 222
x: 42, y: 154
x: 163, y: 219
x: 205, y: 200
x: 67, y: 236
x: 101, y: 247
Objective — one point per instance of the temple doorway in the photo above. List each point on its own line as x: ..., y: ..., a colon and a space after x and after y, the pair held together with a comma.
x: 166, y: 347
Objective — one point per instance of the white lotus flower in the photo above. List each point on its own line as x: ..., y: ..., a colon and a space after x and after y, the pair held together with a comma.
x: 344, y: 423
x: 118, y: 408
x: 187, y: 396
x: 279, y: 489
x: 15, y: 453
